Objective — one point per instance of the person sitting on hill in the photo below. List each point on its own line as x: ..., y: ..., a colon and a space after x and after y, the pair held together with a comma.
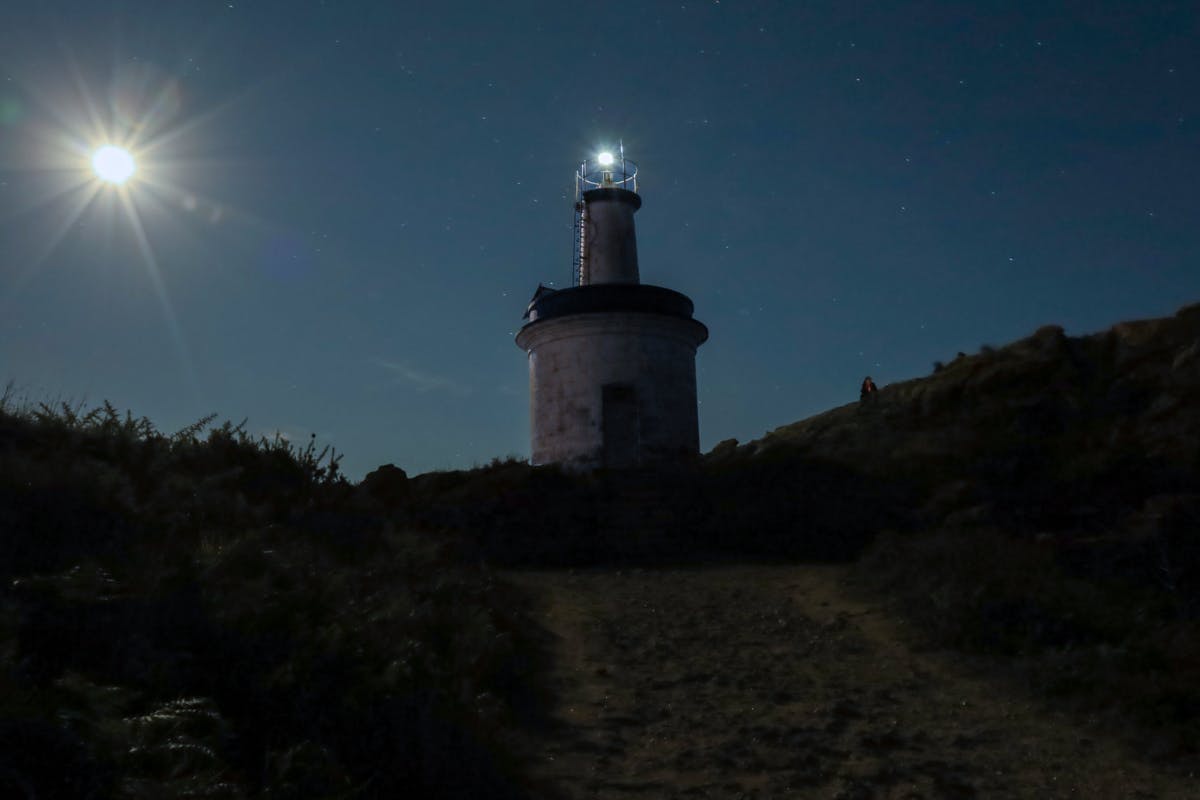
x: 868, y: 389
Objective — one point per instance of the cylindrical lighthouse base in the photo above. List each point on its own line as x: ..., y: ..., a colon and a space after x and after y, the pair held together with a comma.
x: 613, y: 389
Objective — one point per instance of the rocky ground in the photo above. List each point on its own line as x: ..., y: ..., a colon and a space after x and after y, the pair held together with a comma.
x: 778, y: 681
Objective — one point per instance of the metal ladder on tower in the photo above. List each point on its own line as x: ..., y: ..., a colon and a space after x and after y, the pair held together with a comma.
x: 579, y: 262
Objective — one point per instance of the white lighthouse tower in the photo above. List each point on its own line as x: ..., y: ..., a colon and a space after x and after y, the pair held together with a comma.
x: 612, y: 362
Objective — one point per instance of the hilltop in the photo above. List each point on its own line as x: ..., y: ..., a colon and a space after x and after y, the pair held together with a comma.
x: 205, y: 613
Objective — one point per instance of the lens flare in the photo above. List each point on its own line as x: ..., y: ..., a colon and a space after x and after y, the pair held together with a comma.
x: 605, y: 159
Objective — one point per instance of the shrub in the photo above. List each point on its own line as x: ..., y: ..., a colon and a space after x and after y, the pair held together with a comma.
x: 1102, y: 645
x: 209, y: 614
x: 983, y: 591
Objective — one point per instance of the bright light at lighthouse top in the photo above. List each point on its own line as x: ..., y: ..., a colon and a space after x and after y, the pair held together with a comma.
x: 606, y: 170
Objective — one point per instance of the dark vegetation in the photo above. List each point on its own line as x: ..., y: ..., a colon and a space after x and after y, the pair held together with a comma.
x: 781, y: 505
x: 209, y: 614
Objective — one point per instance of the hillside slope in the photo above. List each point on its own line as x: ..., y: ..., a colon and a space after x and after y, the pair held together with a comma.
x: 1021, y: 617
x: 1048, y: 433
x: 1039, y: 503
x: 1036, y: 504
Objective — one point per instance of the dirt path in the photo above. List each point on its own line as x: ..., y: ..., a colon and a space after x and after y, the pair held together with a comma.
x: 768, y: 682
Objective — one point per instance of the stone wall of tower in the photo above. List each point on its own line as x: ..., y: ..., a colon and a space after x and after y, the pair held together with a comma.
x: 646, y: 361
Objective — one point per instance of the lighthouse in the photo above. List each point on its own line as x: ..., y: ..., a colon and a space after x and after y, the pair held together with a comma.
x: 612, y: 361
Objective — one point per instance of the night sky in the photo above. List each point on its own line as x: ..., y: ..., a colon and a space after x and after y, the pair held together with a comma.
x: 342, y: 208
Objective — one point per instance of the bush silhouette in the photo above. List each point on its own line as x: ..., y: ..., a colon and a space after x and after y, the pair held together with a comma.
x: 206, y: 613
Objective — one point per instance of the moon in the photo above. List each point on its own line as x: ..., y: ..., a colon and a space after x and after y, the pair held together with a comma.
x: 113, y: 164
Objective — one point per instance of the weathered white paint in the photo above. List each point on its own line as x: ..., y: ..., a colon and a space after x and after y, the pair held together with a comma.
x: 611, y: 237
x: 572, y: 358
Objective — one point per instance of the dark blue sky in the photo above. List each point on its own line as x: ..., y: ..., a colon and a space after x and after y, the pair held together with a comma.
x: 346, y: 206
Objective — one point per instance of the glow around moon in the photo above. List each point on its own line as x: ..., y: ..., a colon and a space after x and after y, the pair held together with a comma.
x: 113, y: 164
